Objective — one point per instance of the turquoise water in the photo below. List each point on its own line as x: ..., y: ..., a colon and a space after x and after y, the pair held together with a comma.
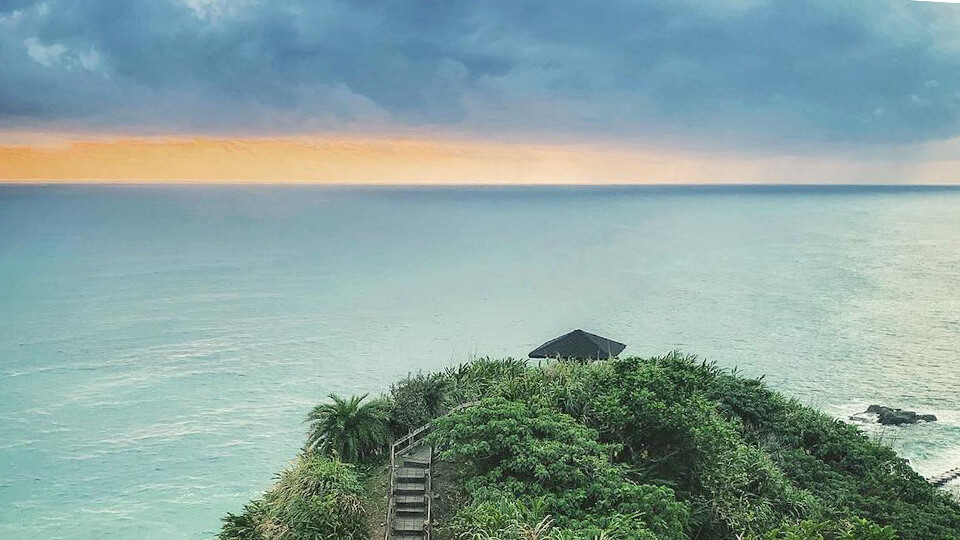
x: 159, y: 346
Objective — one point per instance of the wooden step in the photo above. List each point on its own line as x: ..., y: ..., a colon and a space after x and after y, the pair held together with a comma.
x: 409, y: 488
x: 406, y: 525
x: 408, y: 474
x: 410, y: 499
x: 412, y: 535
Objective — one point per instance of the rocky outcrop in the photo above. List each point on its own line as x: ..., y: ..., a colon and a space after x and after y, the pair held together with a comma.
x: 889, y: 416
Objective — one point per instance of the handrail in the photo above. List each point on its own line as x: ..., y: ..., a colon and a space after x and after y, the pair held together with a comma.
x: 386, y: 525
x: 406, y: 439
x: 462, y: 406
x: 428, y: 525
x: 410, y: 439
x: 409, y: 436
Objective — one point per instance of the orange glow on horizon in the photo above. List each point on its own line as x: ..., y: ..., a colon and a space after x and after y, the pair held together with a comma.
x: 413, y: 161
x: 327, y: 160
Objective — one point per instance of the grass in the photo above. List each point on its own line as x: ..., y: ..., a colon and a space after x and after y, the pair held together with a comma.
x: 376, y: 482
x: 449, y: 496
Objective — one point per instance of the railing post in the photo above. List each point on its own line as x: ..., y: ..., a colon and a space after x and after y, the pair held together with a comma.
x: 429, y: 523
x: 387, y: 525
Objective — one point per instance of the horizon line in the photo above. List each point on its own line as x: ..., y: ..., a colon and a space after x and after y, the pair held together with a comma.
x: 310, y: 183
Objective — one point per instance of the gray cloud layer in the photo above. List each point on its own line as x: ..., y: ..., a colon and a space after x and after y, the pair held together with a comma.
x: 778, y: 71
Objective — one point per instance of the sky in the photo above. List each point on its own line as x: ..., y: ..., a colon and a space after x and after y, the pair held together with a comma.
x: 498, y: 91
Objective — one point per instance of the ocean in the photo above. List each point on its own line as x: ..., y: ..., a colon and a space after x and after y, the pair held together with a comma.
x: 161, y: 345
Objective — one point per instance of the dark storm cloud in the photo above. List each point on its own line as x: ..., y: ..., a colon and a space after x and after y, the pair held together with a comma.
x: 775, y: 70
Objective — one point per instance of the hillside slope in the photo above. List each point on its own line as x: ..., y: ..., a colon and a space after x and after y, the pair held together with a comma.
x: 663, y: 448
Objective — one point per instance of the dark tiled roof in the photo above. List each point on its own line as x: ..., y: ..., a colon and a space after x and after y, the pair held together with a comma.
x: 579, y: 345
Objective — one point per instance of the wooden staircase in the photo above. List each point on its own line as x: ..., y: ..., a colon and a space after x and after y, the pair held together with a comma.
x: 409, y: 501
x: 410, y: 496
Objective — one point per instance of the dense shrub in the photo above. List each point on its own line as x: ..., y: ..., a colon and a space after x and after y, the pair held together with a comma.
x: 420, y: 398
x: 661, y: 448
x: 745, y: 459
x: 537, y: 454
x: 318, y: 498
x: 658, y: 410
x: 507, y: 518
x: 417, y: 400
x: 850, y: 473
x: 854, y: 529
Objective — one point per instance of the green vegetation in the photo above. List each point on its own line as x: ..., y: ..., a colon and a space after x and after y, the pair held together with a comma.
x: 348, y: 428
x: 521, y: 455
x: 665, y: 448
x: 318, y: 498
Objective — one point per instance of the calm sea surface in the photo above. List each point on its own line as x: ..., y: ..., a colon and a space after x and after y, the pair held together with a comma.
x: 159, y: 346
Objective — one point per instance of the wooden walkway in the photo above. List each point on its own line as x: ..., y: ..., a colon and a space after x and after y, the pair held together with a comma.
x: 410, y: 495
x: 941, y: 480
x: 409, y: 498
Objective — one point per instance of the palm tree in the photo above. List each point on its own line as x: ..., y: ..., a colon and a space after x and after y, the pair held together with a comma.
x: 347, y: 427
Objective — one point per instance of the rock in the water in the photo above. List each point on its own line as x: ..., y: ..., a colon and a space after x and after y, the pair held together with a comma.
x: 889, y: 416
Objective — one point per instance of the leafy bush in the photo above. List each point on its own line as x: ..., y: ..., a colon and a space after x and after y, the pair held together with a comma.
x: 745, y: 459
x: 318, y: 498
x: 537, y: 454
x: 855, y: 529
x: 507, y: 518
x: 417, y: 400
x: 850, y: 473
x: 664, y: 448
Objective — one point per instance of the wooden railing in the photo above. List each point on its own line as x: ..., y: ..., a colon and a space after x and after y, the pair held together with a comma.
x: 429, y: 522
x: 389, y: 523
x: 405, y: 444
x: 410, y: 440
x: 399, y: 447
